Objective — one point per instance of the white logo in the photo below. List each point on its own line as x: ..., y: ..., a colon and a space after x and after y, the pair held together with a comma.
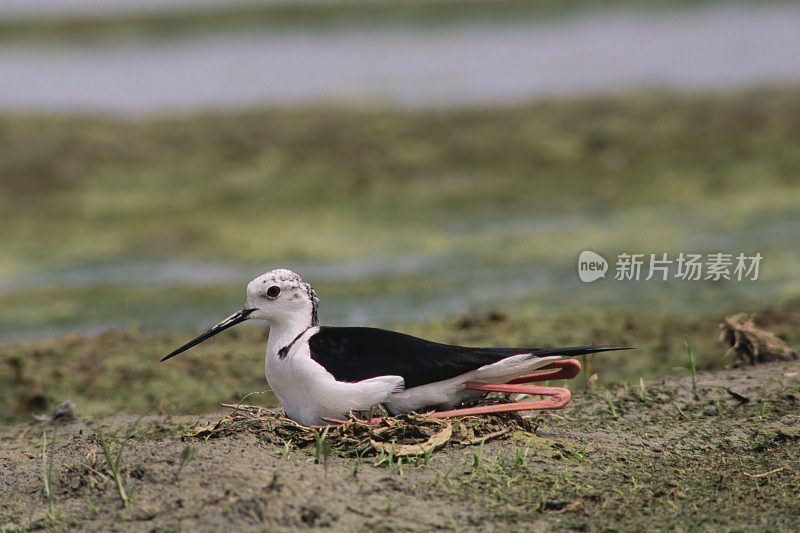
x: 591, y: 266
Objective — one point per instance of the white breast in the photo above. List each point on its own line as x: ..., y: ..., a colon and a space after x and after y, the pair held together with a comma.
x: 309, y: 393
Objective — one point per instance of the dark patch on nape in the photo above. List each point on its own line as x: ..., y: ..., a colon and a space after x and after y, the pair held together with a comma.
x: 283, y: 352
x: 314, y: 305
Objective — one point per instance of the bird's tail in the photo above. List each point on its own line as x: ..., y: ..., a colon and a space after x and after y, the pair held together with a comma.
x: 526, y: 361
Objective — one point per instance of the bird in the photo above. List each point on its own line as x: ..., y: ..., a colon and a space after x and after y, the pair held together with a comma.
x: 322, y: 373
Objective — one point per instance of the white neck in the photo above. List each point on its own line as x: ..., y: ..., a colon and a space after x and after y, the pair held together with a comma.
x: 283, y: 332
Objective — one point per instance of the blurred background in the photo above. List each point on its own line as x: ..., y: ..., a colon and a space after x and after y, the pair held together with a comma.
x: 415, y: 160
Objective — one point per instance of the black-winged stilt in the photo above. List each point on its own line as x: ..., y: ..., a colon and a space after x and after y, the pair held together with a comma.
x: 320, y: 373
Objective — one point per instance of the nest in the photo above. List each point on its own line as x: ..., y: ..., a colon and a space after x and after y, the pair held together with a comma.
x: 751, y: 344
x: 404, y: 435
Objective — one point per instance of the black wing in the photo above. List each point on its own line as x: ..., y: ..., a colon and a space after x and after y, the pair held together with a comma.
x: 354, y: 354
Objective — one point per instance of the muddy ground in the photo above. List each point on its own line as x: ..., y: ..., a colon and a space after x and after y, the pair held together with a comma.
x: 664, y: 456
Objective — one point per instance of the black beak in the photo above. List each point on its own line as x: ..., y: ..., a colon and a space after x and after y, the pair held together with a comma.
x: 235, y: 318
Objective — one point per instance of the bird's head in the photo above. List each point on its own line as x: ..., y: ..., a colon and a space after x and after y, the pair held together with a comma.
x: 280, y: 296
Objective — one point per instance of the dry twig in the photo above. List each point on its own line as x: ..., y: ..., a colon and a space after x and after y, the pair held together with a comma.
x: 751, y: 344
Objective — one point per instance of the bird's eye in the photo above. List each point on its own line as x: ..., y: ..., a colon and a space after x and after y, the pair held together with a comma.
x: 273, y: 291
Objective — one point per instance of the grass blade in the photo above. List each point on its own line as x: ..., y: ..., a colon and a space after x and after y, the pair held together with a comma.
x: 113, y: 466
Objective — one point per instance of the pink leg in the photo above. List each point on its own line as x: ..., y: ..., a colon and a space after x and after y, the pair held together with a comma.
x: 558, y: 397
x: 567, y: 369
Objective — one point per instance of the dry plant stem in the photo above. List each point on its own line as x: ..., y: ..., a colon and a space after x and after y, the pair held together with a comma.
x: 764, y: 474
x: 692, y: 366
x: 47, y: 473
x: 587, y: 371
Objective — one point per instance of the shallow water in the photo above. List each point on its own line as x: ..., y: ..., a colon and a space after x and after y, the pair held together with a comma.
x: 512, y: 265
x: 473, y: 64
x: 26, y: 9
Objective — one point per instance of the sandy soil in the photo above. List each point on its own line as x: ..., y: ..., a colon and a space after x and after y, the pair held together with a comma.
x: 723, y: 457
